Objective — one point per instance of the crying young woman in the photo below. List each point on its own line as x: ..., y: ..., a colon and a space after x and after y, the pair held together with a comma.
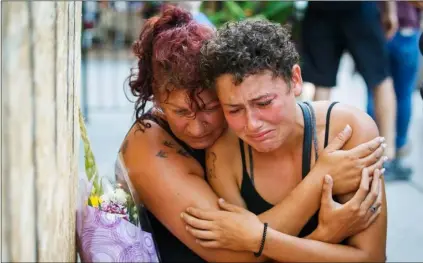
x: 266, y: 153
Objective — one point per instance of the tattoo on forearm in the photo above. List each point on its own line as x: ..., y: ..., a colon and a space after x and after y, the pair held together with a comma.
x: 211, y: 169
x: 184, y: 153
x: 169, y: 144
x: 162, y: 154
x: 124, y: 147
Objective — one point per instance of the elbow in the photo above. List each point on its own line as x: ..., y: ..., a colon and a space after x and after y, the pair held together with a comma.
x: 379, y: 258
x: 373, y: 256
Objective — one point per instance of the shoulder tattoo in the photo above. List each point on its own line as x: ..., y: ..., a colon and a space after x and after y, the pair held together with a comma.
x: 168, y: 144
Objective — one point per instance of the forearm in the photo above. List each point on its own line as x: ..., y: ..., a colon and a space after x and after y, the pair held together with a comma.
x: 373, y: 239
x: 293, y: 212
x: 285, y: 248
x: 389, y: 7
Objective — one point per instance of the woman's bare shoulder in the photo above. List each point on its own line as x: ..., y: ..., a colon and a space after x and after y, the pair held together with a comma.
x: 143, y: 146
x: 148, y: 134
x: 340, y: 115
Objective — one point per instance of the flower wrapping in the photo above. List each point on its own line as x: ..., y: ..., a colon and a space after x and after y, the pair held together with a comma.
x: 109, y: 225
x: 106, y: 237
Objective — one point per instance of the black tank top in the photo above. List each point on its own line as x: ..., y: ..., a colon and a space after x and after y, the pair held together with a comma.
x: 255, y: 203
x: 171, y: 249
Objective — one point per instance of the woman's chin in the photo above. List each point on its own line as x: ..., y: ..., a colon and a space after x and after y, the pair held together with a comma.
x: 201, y: 144
x: 264, y: 146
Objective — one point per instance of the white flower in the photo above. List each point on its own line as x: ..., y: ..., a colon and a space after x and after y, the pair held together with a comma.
x: 120, y: 196
x: 105, y: 198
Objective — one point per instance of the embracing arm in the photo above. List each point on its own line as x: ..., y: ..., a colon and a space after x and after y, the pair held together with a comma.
x: 371, y: 241
x: 168, y: 181
x: 304, y: 200
x: 366, y: 246
x: 291, y: 249
x: 238, y: 229
x: 301, y: 203
x: 287, y: 248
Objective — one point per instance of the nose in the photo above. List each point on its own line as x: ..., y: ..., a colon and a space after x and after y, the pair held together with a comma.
x: 196, y: 127
x: 253, y: 122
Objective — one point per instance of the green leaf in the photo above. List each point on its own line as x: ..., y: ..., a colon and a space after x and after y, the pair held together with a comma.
x: 278, y: 11
x: 90, y: 164
x: 234, y: 10
x: 218, y: 18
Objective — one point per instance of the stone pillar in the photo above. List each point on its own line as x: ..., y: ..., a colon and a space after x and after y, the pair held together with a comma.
x: 40, y: 131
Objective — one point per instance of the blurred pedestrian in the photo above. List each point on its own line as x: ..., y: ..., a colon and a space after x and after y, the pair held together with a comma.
x: 404, y: 55
x: 331, y: 28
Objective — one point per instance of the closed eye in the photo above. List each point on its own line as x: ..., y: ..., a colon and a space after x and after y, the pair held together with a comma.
x: 264, y: 103
x: 213, y: 108
x: 181, y: 112
x: 234, y: 111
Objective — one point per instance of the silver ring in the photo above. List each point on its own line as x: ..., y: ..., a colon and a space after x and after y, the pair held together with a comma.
x: 373, y: 209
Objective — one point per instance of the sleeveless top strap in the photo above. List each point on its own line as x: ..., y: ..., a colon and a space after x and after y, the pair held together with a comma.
x: 307, y: 139
x: 328, y: 123
x: 241, y: 147
x: 250, y: 155
x: 310, y: 137
x: 162, y: 123
x: 313, y: 122
x: 244, y: 166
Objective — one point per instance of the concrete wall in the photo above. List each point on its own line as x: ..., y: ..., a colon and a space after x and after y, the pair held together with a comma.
x: 40, y: 139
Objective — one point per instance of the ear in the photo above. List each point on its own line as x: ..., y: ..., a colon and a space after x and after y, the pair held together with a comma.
x: 297, y: 80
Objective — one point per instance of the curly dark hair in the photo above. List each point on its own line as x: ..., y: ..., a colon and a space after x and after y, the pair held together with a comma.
x: 248, y: 47
x: 168, y: 51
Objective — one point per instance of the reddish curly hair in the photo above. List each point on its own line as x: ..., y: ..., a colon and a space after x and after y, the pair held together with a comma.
x: 168, y: 52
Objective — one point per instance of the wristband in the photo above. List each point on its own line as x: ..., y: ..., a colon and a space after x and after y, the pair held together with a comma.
x: 258, y: 254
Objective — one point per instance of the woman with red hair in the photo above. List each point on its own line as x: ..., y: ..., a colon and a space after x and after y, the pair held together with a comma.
x: 164, y: 151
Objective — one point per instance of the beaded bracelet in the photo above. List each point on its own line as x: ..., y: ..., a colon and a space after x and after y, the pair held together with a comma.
x: 258, y: 254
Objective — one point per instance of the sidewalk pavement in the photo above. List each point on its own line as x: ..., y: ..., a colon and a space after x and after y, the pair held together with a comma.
x: 107, y: 129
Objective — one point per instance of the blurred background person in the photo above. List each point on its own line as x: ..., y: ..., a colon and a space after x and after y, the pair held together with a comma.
x: 403, y: 52
x: 331, y: 28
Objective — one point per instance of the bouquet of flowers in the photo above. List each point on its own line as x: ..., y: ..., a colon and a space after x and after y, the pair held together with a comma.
x: 110, y: 227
